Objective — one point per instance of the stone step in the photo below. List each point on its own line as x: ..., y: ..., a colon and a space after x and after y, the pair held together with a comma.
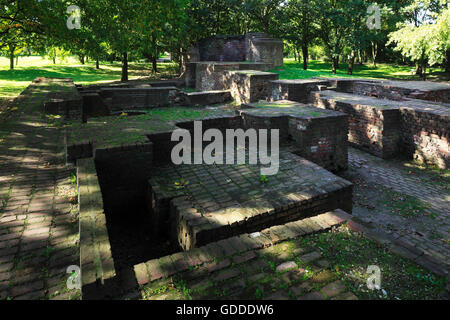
x: 237, y: 249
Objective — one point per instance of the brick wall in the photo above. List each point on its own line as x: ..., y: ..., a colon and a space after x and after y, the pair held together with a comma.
x: 249, y: 86
x: 295, y: 90
x: 210, y: 76
x: 96, y: 261
x: 425, y: 134
x: 261, y: 48
x: 320, y: 138
x: 63, y: 98
x: 119, y: 99
x: 222, y: 48
x: 375, y: 130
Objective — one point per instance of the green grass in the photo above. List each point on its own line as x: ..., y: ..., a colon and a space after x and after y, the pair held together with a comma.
x: 349, y: 255
x: 294, y: 70
x: 405, y: 205
x: 12, y: 82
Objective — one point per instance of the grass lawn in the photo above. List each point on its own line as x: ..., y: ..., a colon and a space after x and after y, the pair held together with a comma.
x: 12, y: 82
x: 294, y: 70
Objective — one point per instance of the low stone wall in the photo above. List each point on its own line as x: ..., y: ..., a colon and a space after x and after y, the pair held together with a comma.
x: 386, y: 128
x: 295, y: 90
x: 97, y: 264
x: 425, y: 133
x: 93, y: 106
x: 63, y: 98
x: 250, y: 85
x: 399, y: 90
x: 135, y: 98
x: 374, y: 125
x: 320, y: 135
x: 207, y: 97
x: 210, y: 75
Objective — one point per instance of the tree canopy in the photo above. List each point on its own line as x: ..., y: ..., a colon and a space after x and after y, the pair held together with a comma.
x: 410, y: 31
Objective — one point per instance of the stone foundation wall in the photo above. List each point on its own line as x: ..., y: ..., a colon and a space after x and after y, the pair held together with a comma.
x: 375, y: 130
x: 322, y: 140
x: 425, y: 135
x: 96, y: 261
x: 93, y: 106
x: 211, y: 75
x: 253, y: 47
x: 222, y: 48
x: 63, y: 98
x: 261, y: 48
x: 207, y: 76
x: 119, y: 99
x: 401, y: 90
x: 319, y: 135
x: 295, y: 90
x: 207, y: 97
x: 249, y: 86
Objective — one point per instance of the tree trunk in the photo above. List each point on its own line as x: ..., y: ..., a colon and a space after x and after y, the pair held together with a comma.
x: 97, y: 64
x: 374, y: 54
x: 11, y: 60
x: 154, y: 64
x: 154, y: 55
x: 17, y: 60
x: 125, y: 67
x: 183, y: 59
x: 418, y: 70
x: 447, y: 61
x: 351, y: 62
x: 335, y: 65
x: 305, y: 56
x: 82, y: 59
x: 295, y: 55
x: 424, y: 70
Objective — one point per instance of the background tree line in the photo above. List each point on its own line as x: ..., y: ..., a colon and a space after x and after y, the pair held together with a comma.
x: 411, y: 31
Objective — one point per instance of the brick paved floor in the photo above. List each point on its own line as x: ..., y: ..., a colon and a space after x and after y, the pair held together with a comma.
x: 376, y: 178
x: 39, y: 225
x: 38, y: 232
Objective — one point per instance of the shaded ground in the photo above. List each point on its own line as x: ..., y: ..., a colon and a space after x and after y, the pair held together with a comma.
x: 403, y: 199
x: 330, y: 265
x: 38, y: 212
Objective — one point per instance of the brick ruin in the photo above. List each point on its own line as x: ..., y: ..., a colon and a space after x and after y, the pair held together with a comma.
x: 122, y: 152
